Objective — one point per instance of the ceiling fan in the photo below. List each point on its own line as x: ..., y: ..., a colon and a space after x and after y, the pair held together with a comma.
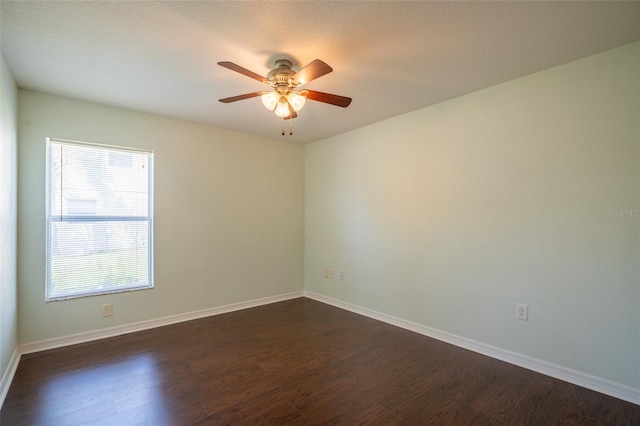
x: 286, y: 97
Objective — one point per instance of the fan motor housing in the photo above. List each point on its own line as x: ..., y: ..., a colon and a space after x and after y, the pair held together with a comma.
x: 281, y: 74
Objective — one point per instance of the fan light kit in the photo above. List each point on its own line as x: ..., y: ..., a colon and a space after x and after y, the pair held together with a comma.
x: 286, y: 98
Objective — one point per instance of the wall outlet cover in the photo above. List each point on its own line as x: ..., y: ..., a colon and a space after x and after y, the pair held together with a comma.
x: 522, y: 311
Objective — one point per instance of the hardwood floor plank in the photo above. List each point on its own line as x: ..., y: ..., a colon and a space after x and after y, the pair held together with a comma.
x: 298, y: 362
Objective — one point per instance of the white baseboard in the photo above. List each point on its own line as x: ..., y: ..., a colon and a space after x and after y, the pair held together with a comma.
x: 7, y: 377
x: 104, y: 333
x: 607, y: 387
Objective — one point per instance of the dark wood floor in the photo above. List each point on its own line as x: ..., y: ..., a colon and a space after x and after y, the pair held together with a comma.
x: 296, y: 362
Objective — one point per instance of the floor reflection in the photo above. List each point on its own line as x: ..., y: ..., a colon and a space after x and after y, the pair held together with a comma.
x: 128, y: 391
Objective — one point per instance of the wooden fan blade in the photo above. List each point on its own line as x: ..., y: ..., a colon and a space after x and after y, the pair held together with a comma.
x: 328, y: 98
x: 243, y: 71
x: 240, y: 97
x: 315, y: 69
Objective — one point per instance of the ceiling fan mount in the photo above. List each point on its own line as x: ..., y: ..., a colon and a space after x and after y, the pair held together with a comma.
x: 285, y: 97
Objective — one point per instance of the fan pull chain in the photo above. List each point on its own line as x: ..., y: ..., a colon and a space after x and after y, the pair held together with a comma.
x: 290, y: 126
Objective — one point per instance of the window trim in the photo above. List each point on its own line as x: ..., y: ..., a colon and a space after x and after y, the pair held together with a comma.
x: 49, y: 218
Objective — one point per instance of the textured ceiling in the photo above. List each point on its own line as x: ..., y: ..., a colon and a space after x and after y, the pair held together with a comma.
x: 391, y: 57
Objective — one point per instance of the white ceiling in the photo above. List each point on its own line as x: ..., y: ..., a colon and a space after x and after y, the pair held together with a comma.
x: 391, y: 57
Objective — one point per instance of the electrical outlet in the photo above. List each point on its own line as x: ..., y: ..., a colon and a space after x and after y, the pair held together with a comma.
x: 332, y: 274
x: 107, y: 310
x: 341, y: 275
x: 522, y: 311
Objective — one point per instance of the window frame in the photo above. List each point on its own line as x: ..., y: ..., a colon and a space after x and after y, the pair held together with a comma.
x: 88, y: 218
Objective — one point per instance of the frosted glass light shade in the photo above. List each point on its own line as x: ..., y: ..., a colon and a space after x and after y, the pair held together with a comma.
x: 296, y: 100
x: 282, y: 109
x: 270, y: 100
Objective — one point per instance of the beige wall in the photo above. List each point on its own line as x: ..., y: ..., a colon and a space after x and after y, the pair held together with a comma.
x: 524, y: 192
x: 8, y: 217
x: 228, y: 218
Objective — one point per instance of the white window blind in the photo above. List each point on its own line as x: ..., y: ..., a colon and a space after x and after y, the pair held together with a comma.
x: 99, y: 219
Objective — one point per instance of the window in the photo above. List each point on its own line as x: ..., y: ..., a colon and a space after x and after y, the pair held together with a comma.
x: 99, y: 219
